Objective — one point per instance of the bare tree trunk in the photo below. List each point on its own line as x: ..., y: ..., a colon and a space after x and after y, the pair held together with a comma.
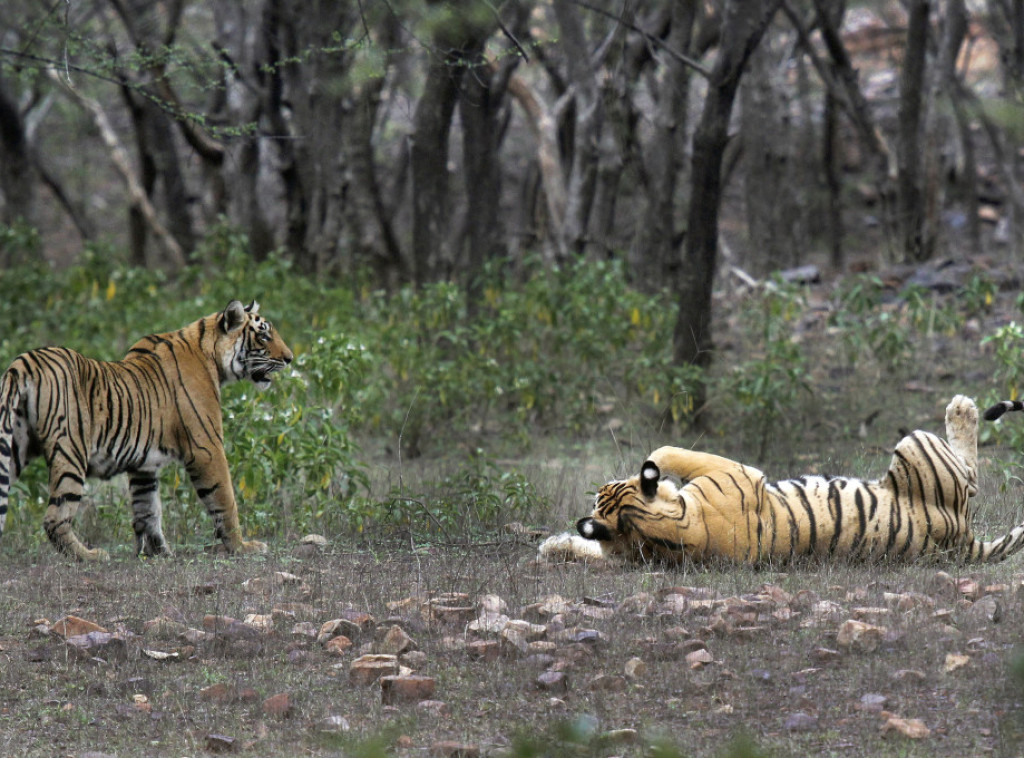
x: 429, y: 162
x: 483, y: 107
x: 159, y: 164
x: 138, y: 197
x: 589, y: 110
x: 773, y: 218
x: 910, y: 197
x: 939, y: 129
x: 246, y: 201
x: 830, y: 162
x: 655, y: 255
x: 18, y: 175
x: 454, y: 45
x: 743, y: 24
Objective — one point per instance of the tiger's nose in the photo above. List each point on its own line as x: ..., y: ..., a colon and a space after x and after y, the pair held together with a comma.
x: 287, y: 357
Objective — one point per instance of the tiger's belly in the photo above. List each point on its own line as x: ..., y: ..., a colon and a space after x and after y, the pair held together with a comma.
x: 105, y: 464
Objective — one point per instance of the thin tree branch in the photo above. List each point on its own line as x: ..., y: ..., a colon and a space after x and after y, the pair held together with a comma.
x: 684, y: 59
x: 122, y: 162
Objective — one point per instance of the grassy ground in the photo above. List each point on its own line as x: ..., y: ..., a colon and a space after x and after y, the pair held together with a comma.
x: 777, y: 669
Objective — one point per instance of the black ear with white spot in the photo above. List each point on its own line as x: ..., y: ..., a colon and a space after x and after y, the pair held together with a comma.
x: 649, y: 476
x: 253, y: 308
x: 233, y: 317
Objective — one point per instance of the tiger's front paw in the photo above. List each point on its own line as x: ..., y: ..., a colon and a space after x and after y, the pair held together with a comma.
x: 97, y: 555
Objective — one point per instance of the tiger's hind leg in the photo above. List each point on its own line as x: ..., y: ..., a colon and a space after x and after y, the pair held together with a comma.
x: 15, y: 448
x: 147, y: 514
x: 962, y: 433
x: 67, y: 486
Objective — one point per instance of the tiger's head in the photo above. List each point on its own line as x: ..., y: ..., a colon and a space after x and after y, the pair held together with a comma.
x: 248, y: 346
x: 642, y: 516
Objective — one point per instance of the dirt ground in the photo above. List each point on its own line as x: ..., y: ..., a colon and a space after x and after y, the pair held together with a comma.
x: 816, y: 659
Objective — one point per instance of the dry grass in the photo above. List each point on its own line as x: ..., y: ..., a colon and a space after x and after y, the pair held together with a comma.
x: 54, y: 704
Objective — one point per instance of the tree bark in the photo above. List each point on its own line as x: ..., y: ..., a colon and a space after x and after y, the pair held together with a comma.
x: 910, y: 196
x: 483, y: 107
x: 454, y: 44
x: 655, y: 257
x: 159, y: 163
x: 589, y: 113
x: 18, y: 175
x: 743, y: 25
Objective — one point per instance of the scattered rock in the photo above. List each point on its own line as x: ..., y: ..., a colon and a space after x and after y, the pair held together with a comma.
x: 987, y: 608
x: 163, y: 628
x: 405, y: 689
x: 261, y: 622
x: 435, y: 708
x: 800, y: 721
x: 449, y: 608
x: 305, y: 630
x: 278, y: 706
x: 635, y: 669
x: 338, y: 627
x: 942, y: 582
x: 955, y: 661
x: 452, y: 749
x: 413, y: 659
x: 396, y: 641
x: 99, y: 644
x: 969, y: 588
x: 553, y: 681
x: 858, y: 635
x: 228, y: 628
x: 909, y: 676
x: 72, y: 626
x: 872, y: 702
x: 699, y: 658
x: 618, y: 737
x: 912, y: 728
x: 221, y: 692
x: 220, y: 743
x: 317, y: 540
x: 484, y: 650
x: 491, y: 604
x: 366, y: 669
x: 580, y: 634
x: 607, y: 683
x: 333, y: 724
x: 825, y: 655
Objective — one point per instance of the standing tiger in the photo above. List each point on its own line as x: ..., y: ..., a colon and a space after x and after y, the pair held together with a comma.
x: 160, y: 404
x: 724, y: 509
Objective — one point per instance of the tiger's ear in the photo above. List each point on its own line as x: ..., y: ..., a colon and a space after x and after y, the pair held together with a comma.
x: 253, y: 308
x: 233, y: 317
x: 649, y: 476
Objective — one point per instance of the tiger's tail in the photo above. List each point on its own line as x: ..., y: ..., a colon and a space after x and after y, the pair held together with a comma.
x: 10, y: 397
x: 1003, y: 406
x: 1012, y: 541
x: 992, y: 551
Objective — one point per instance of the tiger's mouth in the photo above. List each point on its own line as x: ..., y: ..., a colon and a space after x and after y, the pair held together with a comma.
x: 261, y: 376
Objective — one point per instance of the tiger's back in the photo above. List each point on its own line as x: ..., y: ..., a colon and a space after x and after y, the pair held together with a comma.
x: 161, y: 403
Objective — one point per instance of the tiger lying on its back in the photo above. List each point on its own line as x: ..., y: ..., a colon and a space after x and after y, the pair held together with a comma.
x: 725, y: 509
x: 160, y: 404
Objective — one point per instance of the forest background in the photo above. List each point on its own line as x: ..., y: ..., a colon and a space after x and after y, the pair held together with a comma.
x: 515, y: 247
x: 484, y: 223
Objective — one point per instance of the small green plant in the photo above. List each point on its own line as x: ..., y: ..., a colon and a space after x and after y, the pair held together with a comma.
x: 769, y: 385
x: 477, y: 498
x: 978, y: 294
